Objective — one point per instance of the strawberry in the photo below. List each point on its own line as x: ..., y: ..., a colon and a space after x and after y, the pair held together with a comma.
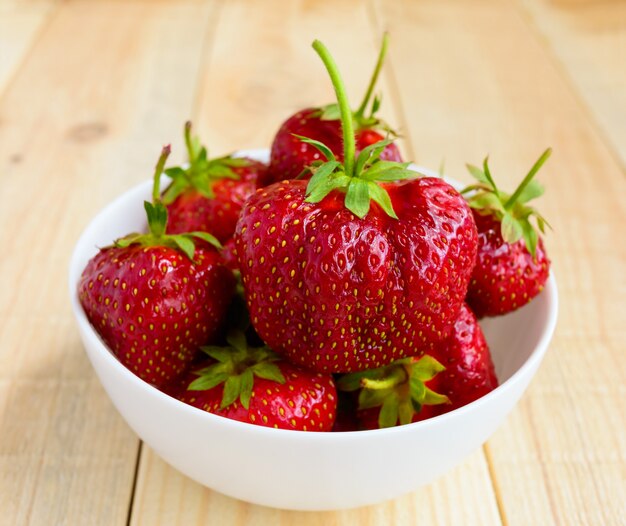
x: 459, y: 371
x: 289, y: 156
x: 154, y: 298
x: 396, y: 394
x: 207, y: 195
x: 512, y: 265
x: 338, y: 283
x: 469, y: 372
x: 254, y: 385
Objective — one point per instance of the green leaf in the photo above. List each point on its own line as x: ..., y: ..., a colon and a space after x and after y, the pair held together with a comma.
x: 221, y: 354
x: 319, y: 178
x: 206, y: 382
x: 351, y: 381
x: 490, y: 180
x: 237, y: 339
x: 330, y: 112
x: 370, y: 154
x: 376, y: 104
x: 232, y: 390
x: 405, y: 412
x: 531, y: 191
x: 325, y: 150
x: 487, y: 201
x: 426, y: 368
x: 185, y: 244
x: 369, y: 398
x: 358, y: 198
x: 128, y: 240
x: 268, y: 371
x: 157, y: 217
x: 381, y: 196
x: 388, y: 416
x: 176, y: 172
x: 530, y: 238
x: 432, y: 398
x: 510, y: 228
x: 327, y: 185
x: 205, y: 236
x: 417, y: 389
x: 394, y: 173
x: 247, y: 383
x: 477, y: 173
x: 178, y: 186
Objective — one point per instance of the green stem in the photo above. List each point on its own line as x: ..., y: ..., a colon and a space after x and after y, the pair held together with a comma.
x: 165, y: 152
x: 347, y: 125
x: 397, y: 376
x: 528, y: 178
x: 188, y: 143
x: 370, y: 89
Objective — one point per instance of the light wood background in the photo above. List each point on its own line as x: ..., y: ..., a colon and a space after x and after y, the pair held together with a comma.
x: 91, y: 89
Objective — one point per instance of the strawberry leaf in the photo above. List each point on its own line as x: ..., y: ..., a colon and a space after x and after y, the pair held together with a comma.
x: 358, y: 197
x: 388, y: 416
x: 418, y: 390
x: 327, y: 185
x: 185, y: 244
x: 330, y: 112
x: 426, y: 368
x: 237, y: 340
x: 268, y: 371
x: 232, y: 390
x: 370, y: 154
x: 510, y: 228
x: 221, y: 354
x: 205, y: 236
x: 247, y: 382
x: 531, y: 191
x: 432, y: 398
x: 405, y: 412
x: 207, y: 381
x: 381, y: 196
x: 325, y: 150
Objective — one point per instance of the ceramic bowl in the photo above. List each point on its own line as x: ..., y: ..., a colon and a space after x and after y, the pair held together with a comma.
x: 308, y: 470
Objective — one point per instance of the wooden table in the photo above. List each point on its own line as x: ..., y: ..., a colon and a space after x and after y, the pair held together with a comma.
x: 90, y: 90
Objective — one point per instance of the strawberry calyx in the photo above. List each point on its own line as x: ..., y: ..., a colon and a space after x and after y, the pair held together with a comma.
x: 361, y: 120
x: 359, y: 177
x: 236, y: 367
x: 399, y: 389
x: 202, y: 171
x: 157, y: 222
x: 510, y: 210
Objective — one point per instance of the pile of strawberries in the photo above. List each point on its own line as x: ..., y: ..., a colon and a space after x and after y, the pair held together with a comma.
x: 335, y: 289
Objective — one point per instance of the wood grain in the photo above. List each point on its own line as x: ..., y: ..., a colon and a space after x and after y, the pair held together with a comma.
x: 562, y: 449
x: 588, y: 41
x: 104, y: 86
x: 21, y: 22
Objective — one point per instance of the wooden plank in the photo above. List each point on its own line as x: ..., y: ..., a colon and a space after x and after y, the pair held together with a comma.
x: 589, y: 41
x: 84, y: 119
x: 261, y: 69
x: 20, y: 24
x: 164, y: 497
x: 488, y: 86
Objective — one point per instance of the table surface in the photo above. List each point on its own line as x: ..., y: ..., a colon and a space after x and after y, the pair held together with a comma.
x: 90, y: 90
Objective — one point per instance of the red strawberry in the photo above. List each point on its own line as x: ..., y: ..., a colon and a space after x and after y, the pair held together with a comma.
x: 255, y: 385
x: 207, y: 195
x: 469, y: 372
x: 397, y: 394
x: 512, y: 266
x: 289, y: 156
x: 154, y: 298
x: 340, y: 284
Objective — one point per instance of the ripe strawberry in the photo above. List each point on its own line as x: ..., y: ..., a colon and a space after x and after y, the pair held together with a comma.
x: 469, y: 372
x: 290, y: 156
x: 154, y: 298
x: 207, y: 195
x: 255, y: 385
x: 512, y: 266
x: 340, y: 284
x: 460, y: 370
x: 397, y: 394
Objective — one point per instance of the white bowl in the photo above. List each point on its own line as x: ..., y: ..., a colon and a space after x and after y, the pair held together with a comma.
x: 308, y: 470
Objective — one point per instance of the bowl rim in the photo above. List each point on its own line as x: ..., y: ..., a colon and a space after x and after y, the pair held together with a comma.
x: 75, y: 272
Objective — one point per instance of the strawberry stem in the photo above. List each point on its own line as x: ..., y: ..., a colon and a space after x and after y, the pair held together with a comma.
x: 347, y: 124
x: 544, y: 157
x: 370, y: 89
x: 165, y: 152
x: 190, y: 152
x: 396, y: 376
